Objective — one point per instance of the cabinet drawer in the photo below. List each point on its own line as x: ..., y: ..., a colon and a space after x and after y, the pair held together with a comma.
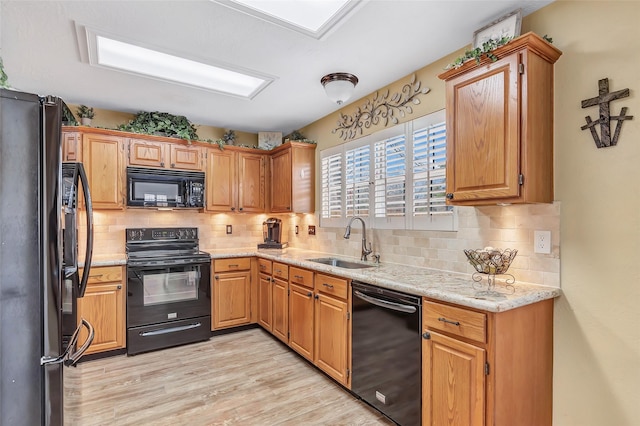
x: 233, y: 264
x: 264, y: 266
x: 104, y: 274
x: 332, y: 285
x: 280, y: 270
x: 457, y: 321
x: 301, y: 276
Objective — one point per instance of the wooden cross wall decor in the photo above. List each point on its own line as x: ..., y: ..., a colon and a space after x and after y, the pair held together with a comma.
x: 603, y: 99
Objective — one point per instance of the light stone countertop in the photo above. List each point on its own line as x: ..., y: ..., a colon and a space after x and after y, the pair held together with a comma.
x: 440, y: 285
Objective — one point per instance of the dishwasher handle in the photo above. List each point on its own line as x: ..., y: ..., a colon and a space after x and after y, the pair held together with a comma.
x: 385, y: 303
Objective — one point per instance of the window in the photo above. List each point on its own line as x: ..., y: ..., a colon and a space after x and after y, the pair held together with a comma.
x: 394, y: 179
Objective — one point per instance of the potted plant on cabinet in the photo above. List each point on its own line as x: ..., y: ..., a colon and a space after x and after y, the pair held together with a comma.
x: 86, y: 114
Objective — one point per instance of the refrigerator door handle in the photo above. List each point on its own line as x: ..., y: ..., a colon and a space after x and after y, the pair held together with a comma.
x: 67, y: 357
x: 75, y: 357
x: 89, y: 214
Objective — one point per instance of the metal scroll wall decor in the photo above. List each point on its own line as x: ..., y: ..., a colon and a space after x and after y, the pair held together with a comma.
x: 602, y: 100
x: 381, y: 109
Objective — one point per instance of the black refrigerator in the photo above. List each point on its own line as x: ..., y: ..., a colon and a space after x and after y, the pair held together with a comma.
x: 39, y: 280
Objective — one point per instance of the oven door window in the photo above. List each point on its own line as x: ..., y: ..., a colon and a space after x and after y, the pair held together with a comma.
x: 169, y: 287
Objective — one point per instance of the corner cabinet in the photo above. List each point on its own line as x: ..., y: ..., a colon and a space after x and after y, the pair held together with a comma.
x: 103, y: 305
x: 500, y: 126
x: 235, y: 181
x: 485, y: 368
x: 292, y: 167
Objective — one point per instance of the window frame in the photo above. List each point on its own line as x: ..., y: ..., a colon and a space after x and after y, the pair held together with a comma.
x: 432, y: 221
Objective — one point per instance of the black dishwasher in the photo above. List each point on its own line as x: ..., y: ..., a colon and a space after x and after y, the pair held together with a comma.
x: 386, y: 351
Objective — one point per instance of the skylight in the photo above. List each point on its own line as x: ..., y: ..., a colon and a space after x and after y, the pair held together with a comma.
x: 127, y: 57
x: 310, y: 17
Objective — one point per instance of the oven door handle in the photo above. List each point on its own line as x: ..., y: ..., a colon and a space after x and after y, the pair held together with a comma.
x: 385, y: 303
x: 170, y: 330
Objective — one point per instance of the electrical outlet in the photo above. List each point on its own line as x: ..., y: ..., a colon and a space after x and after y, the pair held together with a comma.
x: 312, y: 230
x: 542, y: 242
x: 229, y: 229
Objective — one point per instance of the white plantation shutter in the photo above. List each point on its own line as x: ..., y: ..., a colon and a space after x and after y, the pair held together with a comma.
x: 357, y: 177
x: 429, y: 170
x: 394, y: 178
x: 332, y: 186
x: 390, y: 176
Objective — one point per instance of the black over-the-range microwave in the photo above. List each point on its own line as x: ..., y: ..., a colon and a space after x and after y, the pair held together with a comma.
x: 148, y: 187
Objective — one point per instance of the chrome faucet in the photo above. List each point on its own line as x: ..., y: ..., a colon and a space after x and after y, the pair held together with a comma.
x: 347, y: 233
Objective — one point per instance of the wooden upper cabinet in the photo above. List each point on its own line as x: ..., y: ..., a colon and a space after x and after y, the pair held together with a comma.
x: 71, y: 146
x: 185, y: 157
x: 146, y: 153
x: 235, y: 181
x: 149, y: 153
x: 500, y: 126
x: 251, y: 182
x: 292, y: 177
x: 102, y: 156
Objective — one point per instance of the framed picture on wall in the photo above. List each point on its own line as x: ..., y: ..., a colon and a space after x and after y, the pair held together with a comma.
x: 505, y: 26
x: 269, y: 140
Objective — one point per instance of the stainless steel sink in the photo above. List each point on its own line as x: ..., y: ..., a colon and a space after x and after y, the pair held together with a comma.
x: 332, y: 261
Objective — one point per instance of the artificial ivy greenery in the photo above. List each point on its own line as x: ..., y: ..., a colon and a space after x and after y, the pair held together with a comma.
x: 3, y: 76
x: 477, y: 53
x: 161, y: 123
x: 486, y: 49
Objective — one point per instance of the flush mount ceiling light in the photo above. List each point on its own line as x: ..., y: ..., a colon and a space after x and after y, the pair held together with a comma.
x: 107, y: 51
x: 314, y: 18
x: 339, y: 86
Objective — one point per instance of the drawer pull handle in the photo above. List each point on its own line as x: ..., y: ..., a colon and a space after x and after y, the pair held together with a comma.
x: 449, y: 321
x: 327, y: 285
x: 263, y: 267
x: 300, y: 277
x: 96, y: 276
x: 278, y: 271
x: 234, y: 265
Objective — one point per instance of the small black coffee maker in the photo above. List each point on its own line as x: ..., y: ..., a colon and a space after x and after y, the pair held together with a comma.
x: 272, y: 233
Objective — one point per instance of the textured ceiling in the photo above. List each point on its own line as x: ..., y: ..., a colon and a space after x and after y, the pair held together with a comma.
x: 381, y: 41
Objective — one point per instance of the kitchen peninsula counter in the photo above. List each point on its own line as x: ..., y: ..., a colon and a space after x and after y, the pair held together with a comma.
x: 436, y: 284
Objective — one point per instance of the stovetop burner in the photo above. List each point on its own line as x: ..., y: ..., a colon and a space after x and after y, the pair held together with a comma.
x: 163, y: 246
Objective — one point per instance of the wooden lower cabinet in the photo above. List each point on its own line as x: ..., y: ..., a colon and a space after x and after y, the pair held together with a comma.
x: 301, y: 316
x: 332, y: 337
x: 231, y: 299
x: 453, y: 378
x: 231, y: 293
x: 265, y: 306
x: 487, y: 368
x: 103, y: 305
x: 280, y: 303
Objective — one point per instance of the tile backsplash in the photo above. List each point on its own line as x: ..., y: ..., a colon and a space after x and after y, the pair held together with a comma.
x: 497, y: 226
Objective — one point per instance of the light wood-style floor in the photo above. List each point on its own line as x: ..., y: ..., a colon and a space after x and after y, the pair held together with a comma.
x: 243, y: 378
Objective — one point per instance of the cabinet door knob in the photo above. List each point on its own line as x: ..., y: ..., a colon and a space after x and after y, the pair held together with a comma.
x: 119, y: 287
x: 426, y: 335
x: 217, y: 277
x: 233, y: 209
x: 449, y: 195
x: 241, y: 208
x: 309, y: 294
x: 173, y: 165
x: 162, y: 164
x: 317, y: 296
